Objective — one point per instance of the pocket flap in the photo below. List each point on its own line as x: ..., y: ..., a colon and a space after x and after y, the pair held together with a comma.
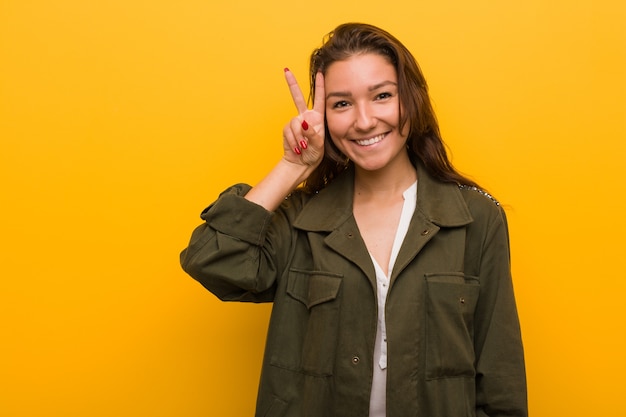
x: 313, y: 287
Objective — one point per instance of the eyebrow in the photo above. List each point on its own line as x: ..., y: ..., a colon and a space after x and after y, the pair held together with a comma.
x: 371, y: 88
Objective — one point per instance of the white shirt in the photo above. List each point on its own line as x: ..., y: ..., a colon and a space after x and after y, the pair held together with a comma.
x: 379, y: 381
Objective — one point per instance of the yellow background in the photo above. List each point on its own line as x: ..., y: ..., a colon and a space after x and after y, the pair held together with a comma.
x: 120, y: 120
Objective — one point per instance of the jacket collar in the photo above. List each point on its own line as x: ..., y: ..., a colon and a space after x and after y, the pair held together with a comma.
x: 440, y: 203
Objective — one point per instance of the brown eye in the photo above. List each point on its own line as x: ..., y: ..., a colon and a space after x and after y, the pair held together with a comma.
x: 340, y: 104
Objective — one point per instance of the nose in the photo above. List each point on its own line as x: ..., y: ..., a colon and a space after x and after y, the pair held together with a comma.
x: 365, y: 118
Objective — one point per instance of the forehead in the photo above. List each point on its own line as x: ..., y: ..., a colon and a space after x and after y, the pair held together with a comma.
x: 360, y: 70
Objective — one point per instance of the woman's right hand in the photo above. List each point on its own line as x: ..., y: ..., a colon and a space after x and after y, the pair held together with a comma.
x: 303, y: 136
x: 303, y: 142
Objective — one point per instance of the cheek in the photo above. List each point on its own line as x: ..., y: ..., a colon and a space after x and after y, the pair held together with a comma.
x: 337, y: 125
x: 391, y: 115
x: 407, y: 126
x: 336, y: 141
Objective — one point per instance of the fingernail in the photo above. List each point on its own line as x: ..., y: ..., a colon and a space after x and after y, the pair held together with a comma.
x: 297, y: 150
x: 303, y: 144
x: 305, y: 125
x: 286, y: 69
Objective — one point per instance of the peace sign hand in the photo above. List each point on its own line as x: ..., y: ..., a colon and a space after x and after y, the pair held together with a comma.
x: 303, y: 136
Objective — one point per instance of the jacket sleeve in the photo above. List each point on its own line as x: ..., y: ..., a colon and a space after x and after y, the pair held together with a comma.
x: 500, y: 369
x: 234, y: 254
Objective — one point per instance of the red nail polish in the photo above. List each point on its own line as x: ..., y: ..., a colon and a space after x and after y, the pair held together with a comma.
x: 286, y: 69
x: 303, y: 144
x: 297, y: 150
x: 305, y: 125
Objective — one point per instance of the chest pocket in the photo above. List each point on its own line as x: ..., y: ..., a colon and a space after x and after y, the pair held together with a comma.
x: 313, y: 287
x: 451, y: 301
x: 319, y: 292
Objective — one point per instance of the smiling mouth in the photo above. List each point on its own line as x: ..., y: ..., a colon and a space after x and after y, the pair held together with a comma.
x: 371, y: 141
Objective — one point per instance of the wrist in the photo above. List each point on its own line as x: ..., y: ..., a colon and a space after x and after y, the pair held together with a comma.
x: 298, y: 172
x: 282, y: 180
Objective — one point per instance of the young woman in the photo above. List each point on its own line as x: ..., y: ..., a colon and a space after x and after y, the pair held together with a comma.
x: 389, y: 271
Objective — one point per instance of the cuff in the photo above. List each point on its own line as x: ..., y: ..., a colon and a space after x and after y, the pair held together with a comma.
x: 237, y: 217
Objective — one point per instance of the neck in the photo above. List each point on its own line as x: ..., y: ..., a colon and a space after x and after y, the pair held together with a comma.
x: 384, y: 183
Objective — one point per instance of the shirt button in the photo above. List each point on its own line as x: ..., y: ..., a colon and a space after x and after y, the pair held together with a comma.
x: 356, y: 360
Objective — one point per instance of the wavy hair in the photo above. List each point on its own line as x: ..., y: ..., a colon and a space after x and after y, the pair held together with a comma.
x: 424, y: 141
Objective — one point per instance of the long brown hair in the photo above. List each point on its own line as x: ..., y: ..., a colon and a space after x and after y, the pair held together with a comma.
x: 424, y: 141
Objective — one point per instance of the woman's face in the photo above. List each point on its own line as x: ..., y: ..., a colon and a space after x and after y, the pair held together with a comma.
x: 363, y: 111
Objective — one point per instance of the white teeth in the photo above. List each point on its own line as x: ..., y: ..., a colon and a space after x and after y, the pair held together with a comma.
x: 371, y: 141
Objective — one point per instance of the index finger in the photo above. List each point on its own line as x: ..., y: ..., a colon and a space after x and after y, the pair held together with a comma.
x: 319, y: 101
x: 296, y: 93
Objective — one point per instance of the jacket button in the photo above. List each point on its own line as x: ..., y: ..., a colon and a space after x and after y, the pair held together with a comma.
x: 356, y: 360
x: 350, y: 235
x: 425, y: 232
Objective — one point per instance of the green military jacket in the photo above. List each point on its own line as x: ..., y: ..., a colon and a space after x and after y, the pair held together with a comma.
x: 453, y: 338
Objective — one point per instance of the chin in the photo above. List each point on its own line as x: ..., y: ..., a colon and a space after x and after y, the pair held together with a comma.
x: 370, y: 166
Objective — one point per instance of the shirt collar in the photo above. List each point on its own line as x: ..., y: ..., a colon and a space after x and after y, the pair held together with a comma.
x: 441, y: 203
